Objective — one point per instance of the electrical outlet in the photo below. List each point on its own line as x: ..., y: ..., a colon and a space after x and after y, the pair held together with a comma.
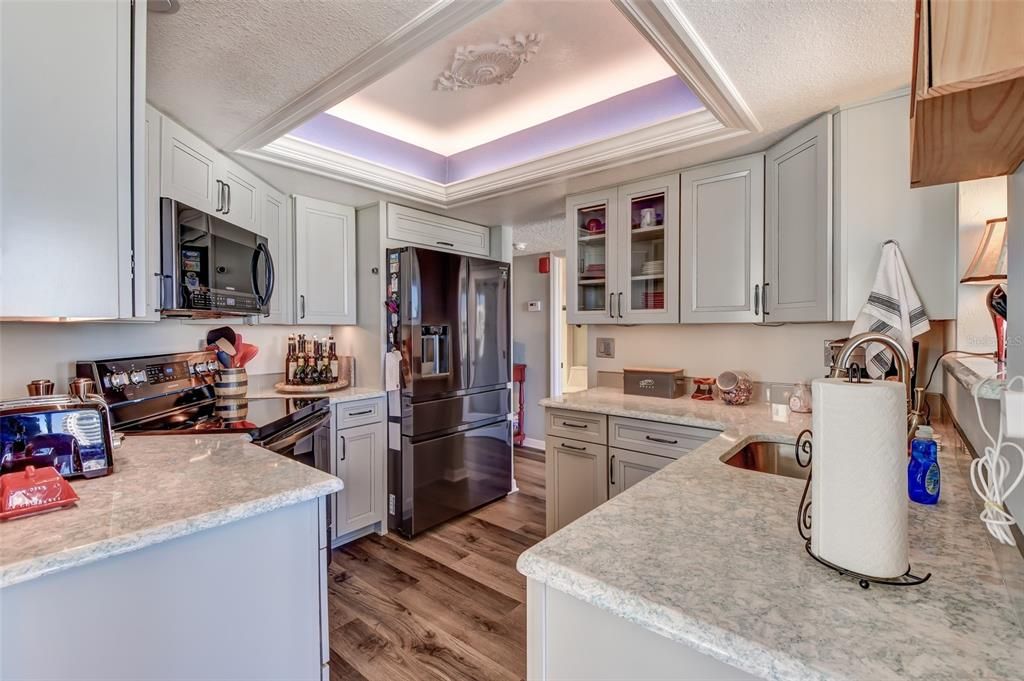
x: 1013, y: 413
x: 605, y: 348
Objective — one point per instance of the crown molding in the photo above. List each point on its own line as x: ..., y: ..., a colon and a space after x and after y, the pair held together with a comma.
x: 668, y: 30
x: 687, y: 131
x: 434, y: 23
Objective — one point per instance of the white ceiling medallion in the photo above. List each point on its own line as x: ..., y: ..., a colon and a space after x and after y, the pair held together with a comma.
x: 494, y: 64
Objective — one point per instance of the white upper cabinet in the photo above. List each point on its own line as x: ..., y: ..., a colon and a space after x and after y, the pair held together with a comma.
x: 874, y: 203
x: 648, y: 251
x: 188, y: 169
x: 71, y: 113
x: 798, y: 226
x: 325, y: 262
x: 437, y: 232
x: 275, y: 226
x: 241, y: 195
x: 722, y: 246
x: 591, y: 261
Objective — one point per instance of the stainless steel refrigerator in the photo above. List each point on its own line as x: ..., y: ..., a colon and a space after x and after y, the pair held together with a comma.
x: 449, y: 435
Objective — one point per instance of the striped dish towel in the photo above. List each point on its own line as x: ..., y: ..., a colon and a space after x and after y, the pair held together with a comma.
x: 893, y: 308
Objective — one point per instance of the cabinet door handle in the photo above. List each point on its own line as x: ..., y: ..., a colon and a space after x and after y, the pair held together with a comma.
x: 344, y: 447
x: 227, y: 203
x: 611, y: 470
x: 764, y: 299
x: 365, y: 412
x: 448, y: 244
x: 757, y: 300
x: 302, y: 306
x: 573, y: 425
x: 662, y: 441
x: 620, y: 304
x: 611, y: 308
x: 573, y: 448
x: 220, y: 196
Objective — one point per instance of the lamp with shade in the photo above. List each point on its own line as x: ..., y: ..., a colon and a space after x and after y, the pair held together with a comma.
x: 989, y: 267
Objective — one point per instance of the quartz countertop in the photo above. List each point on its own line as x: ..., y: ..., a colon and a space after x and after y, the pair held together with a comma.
x: 709, y: 555
x: 971, y: 371
x: 262, y: 386
x: 163, y: 487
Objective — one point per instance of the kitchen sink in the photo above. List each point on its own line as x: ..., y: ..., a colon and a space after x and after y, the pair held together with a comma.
x: 777, y: 458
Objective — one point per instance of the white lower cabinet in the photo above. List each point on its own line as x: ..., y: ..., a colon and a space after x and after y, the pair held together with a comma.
x: 578, y: 473
x: 626, y: 468
x: 593, y: 457
x: 360, y: 460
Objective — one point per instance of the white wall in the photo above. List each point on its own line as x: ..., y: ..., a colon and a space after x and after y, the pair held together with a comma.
x: 531, y: 338
x: 977, y: 201
x: 1015, y: 314
x: 49, y: 350
x: 783, y: 354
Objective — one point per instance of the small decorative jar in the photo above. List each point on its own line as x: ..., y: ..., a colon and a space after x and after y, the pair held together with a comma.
x: 734, y: 387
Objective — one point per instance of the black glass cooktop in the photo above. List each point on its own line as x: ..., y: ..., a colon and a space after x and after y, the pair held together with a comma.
x: 265, y: 415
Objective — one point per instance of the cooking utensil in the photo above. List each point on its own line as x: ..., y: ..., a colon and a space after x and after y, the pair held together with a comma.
x: 224, y: 345
x: 245, y: 354
x: 225, y: 332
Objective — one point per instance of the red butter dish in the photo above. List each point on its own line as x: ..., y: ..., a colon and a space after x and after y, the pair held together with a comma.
x: 34, y: 490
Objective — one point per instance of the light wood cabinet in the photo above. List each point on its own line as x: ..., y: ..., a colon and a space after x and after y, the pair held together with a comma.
x: 437, y: 232
x: 967, y: 106
x: 325, y: 262
x: 723, y: 241
x: 873, y: 202
x: 73, y: 164
x: 360, y: 464
x: 623, y: 250
x: 627, y: 468
x: 798, y: 226
x: 577, y: 472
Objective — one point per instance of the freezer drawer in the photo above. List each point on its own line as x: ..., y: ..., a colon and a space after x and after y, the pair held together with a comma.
x: 443, y: 477
x: 419, y: 419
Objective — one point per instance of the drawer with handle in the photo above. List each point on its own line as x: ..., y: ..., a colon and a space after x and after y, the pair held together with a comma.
x: 577, y: 425
x: 663, y: 439
x: 364, y: 412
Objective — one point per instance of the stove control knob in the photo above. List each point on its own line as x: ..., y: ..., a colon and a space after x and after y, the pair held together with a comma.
x: 199, y: 367
x: 119, y: 379
x: 211, y: 366
x: 137, y: 376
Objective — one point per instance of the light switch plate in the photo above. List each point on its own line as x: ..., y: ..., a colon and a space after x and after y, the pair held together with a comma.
x: 606, y: 348
x: 534, y: 306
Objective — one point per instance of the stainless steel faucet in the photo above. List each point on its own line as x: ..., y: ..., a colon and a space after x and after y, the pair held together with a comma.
x: 915, y: 398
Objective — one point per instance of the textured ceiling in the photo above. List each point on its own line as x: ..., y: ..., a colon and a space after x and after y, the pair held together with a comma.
x: 584, y: 57
x: 220, y: 66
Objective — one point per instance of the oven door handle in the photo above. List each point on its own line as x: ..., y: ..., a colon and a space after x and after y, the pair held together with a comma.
x: 289, y: 438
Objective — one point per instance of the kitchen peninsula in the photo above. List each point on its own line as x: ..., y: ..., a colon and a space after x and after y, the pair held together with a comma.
x: 699, y: 569
x: 167, y: 556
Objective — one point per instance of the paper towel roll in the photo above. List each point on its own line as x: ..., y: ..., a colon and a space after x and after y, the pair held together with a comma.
x: 859, y: 476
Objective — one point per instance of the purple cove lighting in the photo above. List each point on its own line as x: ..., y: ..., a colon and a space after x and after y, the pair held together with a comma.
x: 632, y: 110
x: 348, y: 138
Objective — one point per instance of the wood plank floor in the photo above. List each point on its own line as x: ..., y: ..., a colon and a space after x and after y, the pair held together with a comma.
x: 448, y: 604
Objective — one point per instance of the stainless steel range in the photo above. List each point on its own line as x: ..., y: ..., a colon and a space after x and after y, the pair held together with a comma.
x: 173, y: 394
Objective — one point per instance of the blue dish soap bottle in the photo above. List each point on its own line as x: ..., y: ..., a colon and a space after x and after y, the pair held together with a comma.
x: 923, y: 469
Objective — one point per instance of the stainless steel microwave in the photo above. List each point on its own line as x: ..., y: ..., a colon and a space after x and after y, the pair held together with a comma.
x: 210, y: 267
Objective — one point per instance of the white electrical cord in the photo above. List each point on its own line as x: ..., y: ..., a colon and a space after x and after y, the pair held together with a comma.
x: 990, y: 471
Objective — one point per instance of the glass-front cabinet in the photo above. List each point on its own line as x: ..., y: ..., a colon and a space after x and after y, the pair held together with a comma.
x: 623, y: 254
x: 591, y: 265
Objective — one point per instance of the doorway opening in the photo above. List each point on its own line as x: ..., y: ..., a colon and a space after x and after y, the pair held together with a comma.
x: 568, y: 341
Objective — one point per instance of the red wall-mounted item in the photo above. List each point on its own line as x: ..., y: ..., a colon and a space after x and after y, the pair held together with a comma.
x: 544, y: 264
